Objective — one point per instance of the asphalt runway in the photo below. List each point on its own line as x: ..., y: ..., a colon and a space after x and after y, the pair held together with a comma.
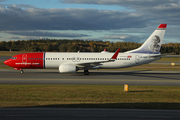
x: 96, y: 77
x: 86, y: 114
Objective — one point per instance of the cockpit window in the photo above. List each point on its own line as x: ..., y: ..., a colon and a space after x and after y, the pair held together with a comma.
x: 14, y: 58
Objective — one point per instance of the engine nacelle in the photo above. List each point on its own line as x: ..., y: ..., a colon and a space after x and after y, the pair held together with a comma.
x: 66, y: 68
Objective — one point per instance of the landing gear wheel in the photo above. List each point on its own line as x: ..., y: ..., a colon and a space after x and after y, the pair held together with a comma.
x: 86, y: 72
x: 22, y: 71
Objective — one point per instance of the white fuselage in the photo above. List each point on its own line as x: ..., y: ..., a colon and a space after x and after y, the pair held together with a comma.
x: 55, y: 59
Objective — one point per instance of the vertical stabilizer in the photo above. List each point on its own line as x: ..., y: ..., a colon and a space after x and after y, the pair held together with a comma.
x: 153, y: 44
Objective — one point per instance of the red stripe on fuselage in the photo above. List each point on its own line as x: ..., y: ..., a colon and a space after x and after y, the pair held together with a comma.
x: 27, y: 60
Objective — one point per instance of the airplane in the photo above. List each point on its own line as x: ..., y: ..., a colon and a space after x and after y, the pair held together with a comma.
x: 148, y: 52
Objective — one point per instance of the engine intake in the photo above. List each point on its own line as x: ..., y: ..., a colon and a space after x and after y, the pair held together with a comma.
x: 67, y: 68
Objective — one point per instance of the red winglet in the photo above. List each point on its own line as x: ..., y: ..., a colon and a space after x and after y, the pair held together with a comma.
x: 116, y: 54
x: 162, y: 26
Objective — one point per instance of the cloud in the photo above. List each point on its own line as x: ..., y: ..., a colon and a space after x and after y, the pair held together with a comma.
x: 16, y: 18
x: 157, y: 11
x: 29, y: 21
x: 120, y: 38
x: 125, y: 3
x: 125, y: 38
x: 150, y: 12
x: 44, y: 33
x: 26, y: 37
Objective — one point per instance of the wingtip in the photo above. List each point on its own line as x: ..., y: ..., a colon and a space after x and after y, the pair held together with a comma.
x: 116, y: 54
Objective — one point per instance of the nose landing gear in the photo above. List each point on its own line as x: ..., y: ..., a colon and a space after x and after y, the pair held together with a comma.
x: 22, y: 71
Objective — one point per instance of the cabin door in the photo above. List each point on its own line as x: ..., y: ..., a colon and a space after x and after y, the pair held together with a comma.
x: 24, y: 58
x: 137, y: 59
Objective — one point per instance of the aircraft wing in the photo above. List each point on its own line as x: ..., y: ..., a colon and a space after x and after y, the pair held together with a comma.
x: 92, y: 64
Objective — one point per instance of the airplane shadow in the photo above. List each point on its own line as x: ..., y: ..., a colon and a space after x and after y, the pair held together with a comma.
x: 115, y: 74
x: 150, y: 105
x: 165, y: 76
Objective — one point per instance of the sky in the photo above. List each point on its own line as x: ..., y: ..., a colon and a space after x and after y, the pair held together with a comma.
x: 106, y: 20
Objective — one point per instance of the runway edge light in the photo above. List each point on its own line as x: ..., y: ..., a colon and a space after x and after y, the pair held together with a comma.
x: 126, y: 87
x: 172, y: 64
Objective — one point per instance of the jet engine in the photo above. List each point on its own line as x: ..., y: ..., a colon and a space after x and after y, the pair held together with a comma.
x: 67, y: 68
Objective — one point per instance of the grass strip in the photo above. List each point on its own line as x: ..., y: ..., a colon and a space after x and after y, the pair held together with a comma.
x: 170, y: 59
x: 90, y: 96
x: 12, y: 53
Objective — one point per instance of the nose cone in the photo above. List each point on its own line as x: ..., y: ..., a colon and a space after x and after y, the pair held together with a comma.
x: 7, y: 62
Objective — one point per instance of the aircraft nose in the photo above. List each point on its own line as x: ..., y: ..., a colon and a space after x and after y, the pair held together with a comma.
x: 7, y: 62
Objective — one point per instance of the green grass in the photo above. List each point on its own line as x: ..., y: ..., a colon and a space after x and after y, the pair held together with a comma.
x: 12, y: 53
x: 92, y: 96
x: 164, y: 59
x: 3, y: 66
x: 154, y: 67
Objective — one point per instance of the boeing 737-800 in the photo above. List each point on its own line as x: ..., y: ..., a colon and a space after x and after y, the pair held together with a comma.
x: 72, y: 62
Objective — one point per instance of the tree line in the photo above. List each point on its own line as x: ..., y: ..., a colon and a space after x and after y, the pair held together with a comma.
x: 78, y: 45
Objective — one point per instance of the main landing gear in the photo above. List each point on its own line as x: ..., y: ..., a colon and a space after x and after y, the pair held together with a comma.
x: 86, y: 72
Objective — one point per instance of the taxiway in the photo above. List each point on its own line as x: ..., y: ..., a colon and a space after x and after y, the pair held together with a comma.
x: 96, y: 77
x: 88, y: 114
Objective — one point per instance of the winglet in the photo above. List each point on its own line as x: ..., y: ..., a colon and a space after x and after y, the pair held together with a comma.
x: 115, y: 54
